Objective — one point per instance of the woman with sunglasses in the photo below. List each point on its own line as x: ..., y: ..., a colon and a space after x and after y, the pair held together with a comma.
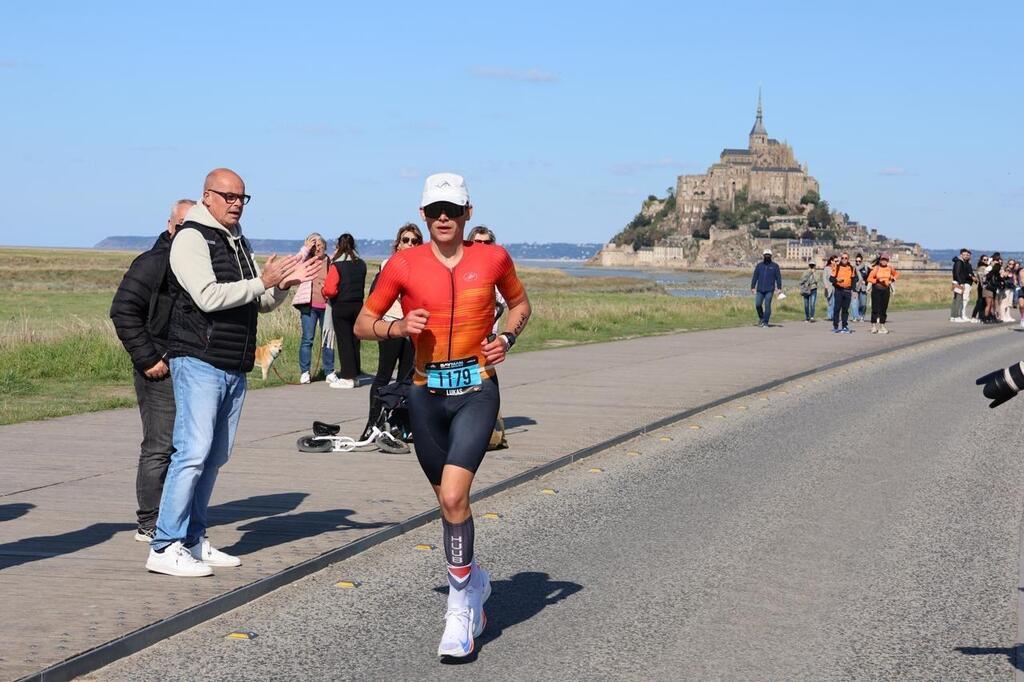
x: 447, y: 292
x: 397, y: 351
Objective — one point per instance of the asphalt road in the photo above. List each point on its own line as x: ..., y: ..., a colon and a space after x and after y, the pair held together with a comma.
x: 859, y: 525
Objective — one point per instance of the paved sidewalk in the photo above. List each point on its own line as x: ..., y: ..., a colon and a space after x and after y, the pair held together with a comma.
x: 72, y: 577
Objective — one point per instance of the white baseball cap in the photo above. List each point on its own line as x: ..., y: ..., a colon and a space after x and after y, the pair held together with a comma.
x: 766, y: 252
x: 445, y: 187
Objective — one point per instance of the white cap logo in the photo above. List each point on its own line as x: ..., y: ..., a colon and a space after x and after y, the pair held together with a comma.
x: 445, y: 187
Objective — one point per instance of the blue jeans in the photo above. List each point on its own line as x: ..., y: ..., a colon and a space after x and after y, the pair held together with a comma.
x: 862, y: 303
x: 309, y: 317
x: 763, y: 305
x: 854, y: 306
x: 209, y: 402
x: 810, y: 303
x: 830, y: 313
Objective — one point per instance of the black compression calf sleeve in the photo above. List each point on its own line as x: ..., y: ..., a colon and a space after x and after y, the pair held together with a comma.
x: 458, y: 542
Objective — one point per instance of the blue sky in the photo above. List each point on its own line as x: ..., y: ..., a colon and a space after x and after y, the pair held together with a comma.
x: 561, y: 117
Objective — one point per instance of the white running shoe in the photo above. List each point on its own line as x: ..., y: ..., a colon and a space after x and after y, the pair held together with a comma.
x: 882, y: 329
x: 457, y: 640
x: 874, y: 329
x: 479, y: 591
x: 211, y: 556
x: 145, y: 534
x: 304, y: 379
x: 343, y: 383
x: 331, y: 378
x: 975, y: 320
x: 177, y: 561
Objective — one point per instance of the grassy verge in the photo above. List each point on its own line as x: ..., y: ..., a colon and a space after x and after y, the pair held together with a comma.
x: 59, y: 354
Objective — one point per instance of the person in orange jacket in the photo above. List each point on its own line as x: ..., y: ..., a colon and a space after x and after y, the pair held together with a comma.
x: 881, y: 278
x: 844, y: 276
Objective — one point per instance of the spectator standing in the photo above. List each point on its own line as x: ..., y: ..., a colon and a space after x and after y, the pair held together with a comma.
x: 843, y: 277
x: 218, y: 292
x: 1008, y: 284
x: 312, y: 306
x: 980, y: 276
x: 993, y: 281
x: 809, y: 290
x: 829, y: 288
x: 766, y: 279
x: 396, y: 350
x: 881, y: 279
x: 963, y: 276
x: 859, y: 299
x: 344, y: 286
x: 140, y: 311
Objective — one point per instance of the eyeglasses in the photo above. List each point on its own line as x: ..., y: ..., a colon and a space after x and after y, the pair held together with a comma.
x: 484, y: 241
x: 434, y: 210
x: 231, y: 197
x: 411, y: 240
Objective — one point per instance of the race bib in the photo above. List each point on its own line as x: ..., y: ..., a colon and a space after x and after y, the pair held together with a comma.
x: 453, y: 377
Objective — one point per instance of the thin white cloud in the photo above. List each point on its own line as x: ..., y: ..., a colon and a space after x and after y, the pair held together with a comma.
x: 320, y: 129
x: 637, y: 167
x: 410, y: 173
x: 894, y: 171
x: 8, y: 64
x: 525, y: 75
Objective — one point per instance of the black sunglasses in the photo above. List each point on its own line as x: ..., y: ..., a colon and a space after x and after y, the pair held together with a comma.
x: 231, y: 197
x: 411, y: 240
x: 434, y: 210
x: 484, y: 241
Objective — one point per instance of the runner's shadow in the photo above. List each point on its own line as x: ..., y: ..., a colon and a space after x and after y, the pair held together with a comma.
x: 515, y: 601
x: 9, y: 512
x: 41, y: 547
x: 229, y: 513
x: 277, y: 530
x: 1008, y: 651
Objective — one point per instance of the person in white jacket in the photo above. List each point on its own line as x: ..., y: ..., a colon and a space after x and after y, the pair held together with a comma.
x: 218, y: 291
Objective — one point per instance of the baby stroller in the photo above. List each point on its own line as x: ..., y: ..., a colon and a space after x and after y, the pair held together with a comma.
x: 389, y: 433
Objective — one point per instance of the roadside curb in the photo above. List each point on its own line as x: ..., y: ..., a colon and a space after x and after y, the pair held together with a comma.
x: 144, y: 637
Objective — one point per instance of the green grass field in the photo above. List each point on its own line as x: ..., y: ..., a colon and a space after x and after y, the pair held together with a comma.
x: 59, y: 354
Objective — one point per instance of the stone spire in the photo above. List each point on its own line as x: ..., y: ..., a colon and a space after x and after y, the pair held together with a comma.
x: 758, y: 128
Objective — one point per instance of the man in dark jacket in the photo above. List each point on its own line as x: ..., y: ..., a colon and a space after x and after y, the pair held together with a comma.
x: 844, y: 277
x: 963, y: 276
x: 140, y: 312
x: 218, y: 292
x: 766, y: 279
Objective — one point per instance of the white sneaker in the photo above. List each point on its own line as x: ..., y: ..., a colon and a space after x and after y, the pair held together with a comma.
x: 331, y: 378
x: 211, y: 556
x: 145, y: 534
x: 975, y: 320
x: 874, y: 329
x: 457, y: 640
x: 479, y: 591
x: 343, y: 383
x: 304, y: 379
x: 882, y: 329
x: 177, y: 561
x: 954, y: 319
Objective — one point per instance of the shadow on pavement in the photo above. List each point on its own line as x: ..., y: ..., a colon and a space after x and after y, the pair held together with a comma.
x: 40, y: 547
x: 513, y: 422
x: 26, y: 550
x: 1008, y: 651
x: 254, y: 506
x: 515, y: 601
x: 9, y: 512
x: 277, y: 530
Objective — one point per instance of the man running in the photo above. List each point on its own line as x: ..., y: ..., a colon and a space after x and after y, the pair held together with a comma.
x: 447, y: 292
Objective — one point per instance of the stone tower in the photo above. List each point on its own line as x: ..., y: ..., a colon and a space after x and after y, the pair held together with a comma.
x: 758, y: 135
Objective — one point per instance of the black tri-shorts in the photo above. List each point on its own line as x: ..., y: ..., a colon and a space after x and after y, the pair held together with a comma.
x: 452, y: 429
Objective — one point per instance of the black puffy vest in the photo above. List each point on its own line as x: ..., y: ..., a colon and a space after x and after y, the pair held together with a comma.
x: 225, y: 339
x: 353, y: 281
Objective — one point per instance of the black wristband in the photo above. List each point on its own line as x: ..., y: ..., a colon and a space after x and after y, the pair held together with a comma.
x: 390, y: 326
x: 510, y: 338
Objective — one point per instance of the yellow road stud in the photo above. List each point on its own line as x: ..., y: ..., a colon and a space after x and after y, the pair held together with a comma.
x: 633, y: 453
x: 424, y: 547
x: 241, y: 634
x: 596, y: 470
x: 492, y: 515
x: 347, y: 584
x: 548, y: 491
x: 694, y: 426
x: 665, y: 439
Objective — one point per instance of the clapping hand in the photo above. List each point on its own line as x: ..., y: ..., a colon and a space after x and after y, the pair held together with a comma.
x: 275, y: 269
x: 302, y: 272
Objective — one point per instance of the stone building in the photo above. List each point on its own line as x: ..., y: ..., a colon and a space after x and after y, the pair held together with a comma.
x: 766, y: 170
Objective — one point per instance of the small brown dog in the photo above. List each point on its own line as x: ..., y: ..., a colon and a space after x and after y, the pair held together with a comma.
x: 267, y: 353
